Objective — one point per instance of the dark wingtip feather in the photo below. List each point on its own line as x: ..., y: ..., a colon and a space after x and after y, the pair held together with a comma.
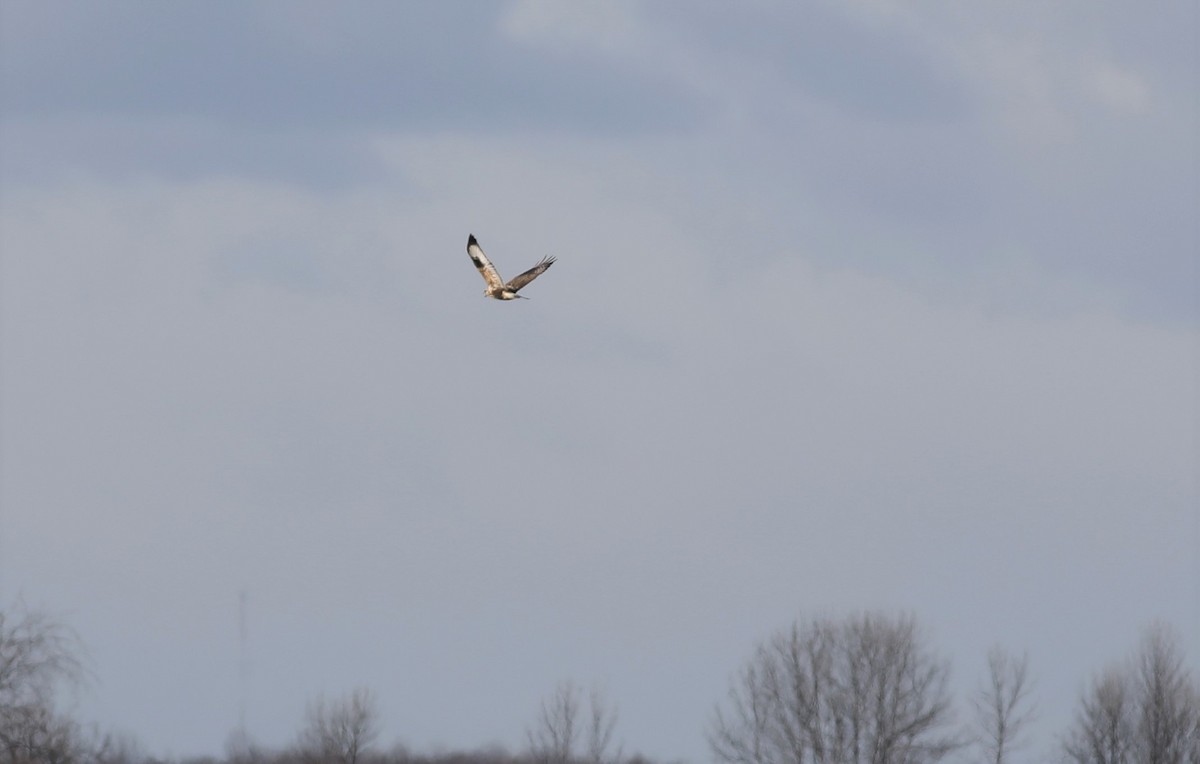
x: 471, y: 240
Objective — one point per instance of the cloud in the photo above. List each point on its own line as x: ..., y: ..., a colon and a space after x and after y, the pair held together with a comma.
x: 1118, y: 89
x: 260, y: 66
x: 818, y: 54
x: 124, y: 148
x: 607, y: 27
x: 372, y: 448
x: 827, y: 331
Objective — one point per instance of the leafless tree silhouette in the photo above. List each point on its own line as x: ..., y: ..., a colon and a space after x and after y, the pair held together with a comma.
x: 861, y: 690
x: 561, y: 734
x: 1002, y: 708
x: 1143, y: 712
x: 1167, y: 702
x: 339, y: 730
x: 602, y: 722
x: 38, y: 657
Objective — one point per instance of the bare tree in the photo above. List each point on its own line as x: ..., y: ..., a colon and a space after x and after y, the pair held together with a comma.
x: 38, y: 657
x: 860, y: 690
x: 562, y: 735
x: 1104, y: 724
x: 739, y: 735
x: 602, y: 724
x: 1002, y: 709
x: 1194, y: 745
x: 1166, y: 704
x: 339, y: 730
x: 552, y: 740
x: 1147, y: 711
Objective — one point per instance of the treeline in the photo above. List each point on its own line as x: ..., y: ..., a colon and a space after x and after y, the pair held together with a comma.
x: 865, y: 689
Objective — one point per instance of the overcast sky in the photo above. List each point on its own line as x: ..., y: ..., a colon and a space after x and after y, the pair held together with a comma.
x: 863, y: 304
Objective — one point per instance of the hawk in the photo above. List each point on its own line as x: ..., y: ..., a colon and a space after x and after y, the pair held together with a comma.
x: 497, y: 289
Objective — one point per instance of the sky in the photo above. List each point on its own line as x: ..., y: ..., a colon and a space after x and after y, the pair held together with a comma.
x: 859, y: 305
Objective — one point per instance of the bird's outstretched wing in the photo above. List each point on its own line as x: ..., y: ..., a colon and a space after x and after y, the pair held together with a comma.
x: 486, y: 269
x: 517, y: 282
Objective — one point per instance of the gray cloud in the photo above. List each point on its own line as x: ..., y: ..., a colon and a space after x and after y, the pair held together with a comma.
x: 268, y: 65
x: 823, y: 53
x: 128, y: 148
x: 447, y: 501
x: 804, y: 350
x: 290, y: 91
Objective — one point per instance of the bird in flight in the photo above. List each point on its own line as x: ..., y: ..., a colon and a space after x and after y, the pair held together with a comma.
x: 496, y: 288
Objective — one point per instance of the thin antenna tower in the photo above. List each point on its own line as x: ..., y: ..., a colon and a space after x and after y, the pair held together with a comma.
x: 243, y: 663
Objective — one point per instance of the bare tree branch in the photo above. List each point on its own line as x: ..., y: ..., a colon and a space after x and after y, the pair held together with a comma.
x: 1145, y: 711
x: 553, y: 739
x: 603, y: 723
x: 562, y: 735
x: 38, y: 657
x: 860, y: 690
x: 1166, y: 700
x: 1103, y: 731
x: 339, y: 730
x: 1002, y: 709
